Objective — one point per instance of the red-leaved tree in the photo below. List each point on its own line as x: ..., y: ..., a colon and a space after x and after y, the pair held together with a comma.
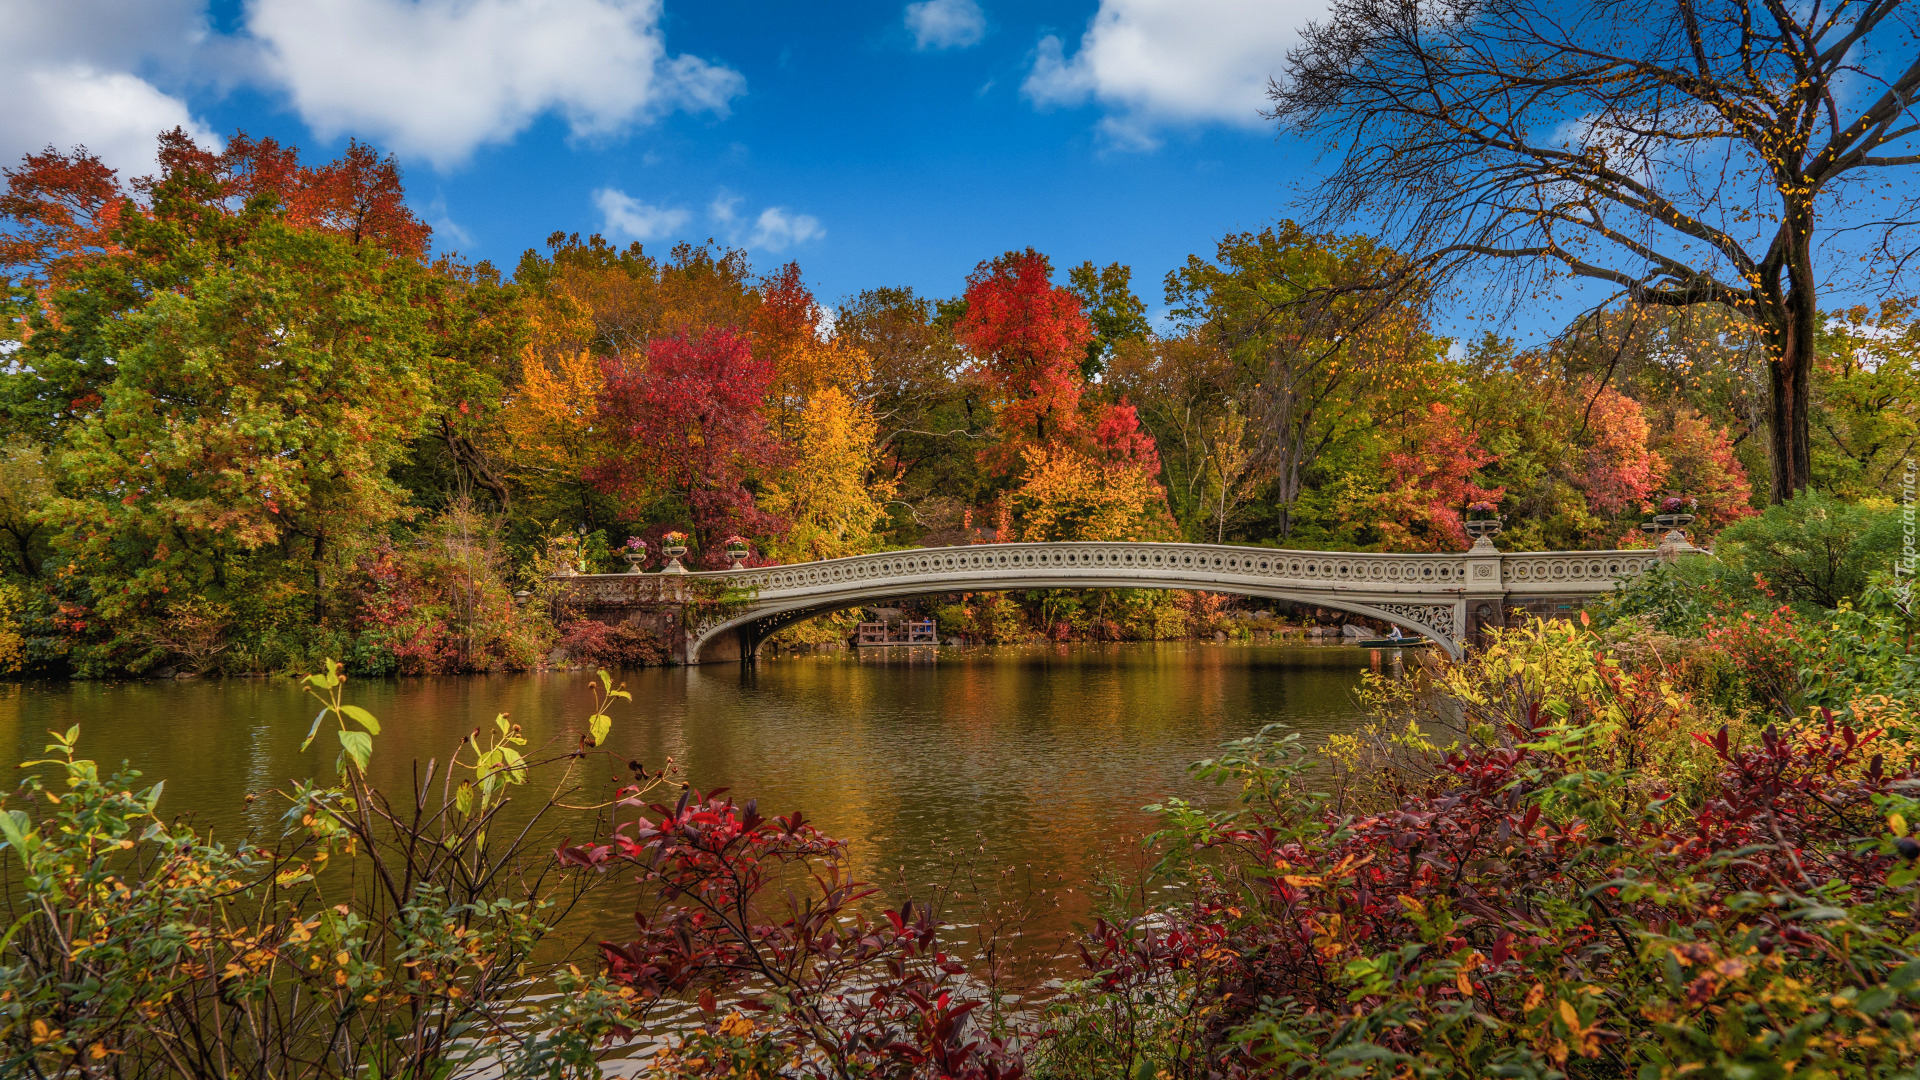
x: 1618, y: 470
x: 685, y: 423
x: 1029, y: 336
x: 1433, y: 475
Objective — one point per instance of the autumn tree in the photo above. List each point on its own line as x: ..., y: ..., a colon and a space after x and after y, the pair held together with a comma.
x: 1028, y: 336
x: 1068, y: 494
x: 1083, y: 469
x: 631, y: 297
x: 544, y: 435
x: 1430, y: 476
x: 787, y: 334
x: 1116, y: 314
x: 1317, y: 346
x: 1103, y: 485
x: 1187, y: 390
x: 1701, y: 465
x: 63, y: 209
x: 930, y: 421
x: 72, y: 226
x: 613, y: 291
x: 251, y: 424
x: 1694, y: 152
x: 1618, y: 470
x: 26, y: 486
x: 685, y: 432
x: 831, y: 494
x: 1866, y: 411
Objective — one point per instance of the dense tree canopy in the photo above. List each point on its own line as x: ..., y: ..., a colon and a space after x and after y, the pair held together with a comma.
x: 249, y: 418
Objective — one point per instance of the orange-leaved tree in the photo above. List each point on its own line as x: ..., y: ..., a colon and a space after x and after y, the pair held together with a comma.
x: 1433, y: 479
x: 787, y: 334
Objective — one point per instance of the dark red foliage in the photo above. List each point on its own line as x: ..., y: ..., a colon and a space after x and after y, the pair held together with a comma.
x: 597, y: 644
x: 734, y: 902
x: 1475, y: 855
x: 686, y: 422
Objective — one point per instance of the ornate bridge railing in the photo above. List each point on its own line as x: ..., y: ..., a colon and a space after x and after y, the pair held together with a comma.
x: 1447, y: 597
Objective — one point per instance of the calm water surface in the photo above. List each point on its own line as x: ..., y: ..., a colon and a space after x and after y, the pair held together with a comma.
x: 936, y: 764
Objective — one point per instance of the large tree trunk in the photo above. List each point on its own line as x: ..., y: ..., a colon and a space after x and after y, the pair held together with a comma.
x: 1790, y: 373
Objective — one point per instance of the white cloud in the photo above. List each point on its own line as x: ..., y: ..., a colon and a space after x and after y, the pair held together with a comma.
x: 946, y: 24
x: 776, y: 230
x: 439, y: 78
x: 1154, y: 62
x: 629, y: 217
x: 721, y: 208
x: 445, y: 228
x: 112, y: 113
x: 67, y: 76
x: 773, y: 229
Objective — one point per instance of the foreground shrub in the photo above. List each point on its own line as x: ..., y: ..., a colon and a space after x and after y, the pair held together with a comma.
x: 762, y: 911
x: 1814, y: 550
x: 1737, y: 642
x: 1545, y: 903
x: 377, y: 937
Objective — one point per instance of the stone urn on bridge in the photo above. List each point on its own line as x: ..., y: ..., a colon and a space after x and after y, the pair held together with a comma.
x: 1675, y: 515
x: 675, y: 545
x: 635, y: 552
x: 1483, y: 523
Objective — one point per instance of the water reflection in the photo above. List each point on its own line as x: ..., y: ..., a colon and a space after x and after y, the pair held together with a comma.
x: 1029, y: 756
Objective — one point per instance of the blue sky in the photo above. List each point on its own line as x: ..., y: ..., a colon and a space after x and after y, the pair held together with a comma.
x: 876, y: 143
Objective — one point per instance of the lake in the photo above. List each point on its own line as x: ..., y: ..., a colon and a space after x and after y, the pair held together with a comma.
x: 1011, y: 776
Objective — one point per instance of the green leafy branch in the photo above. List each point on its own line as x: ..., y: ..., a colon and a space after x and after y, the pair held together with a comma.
x: 328, y: 688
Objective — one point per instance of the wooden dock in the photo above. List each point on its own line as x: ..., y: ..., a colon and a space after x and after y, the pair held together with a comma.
x: 908, y: 632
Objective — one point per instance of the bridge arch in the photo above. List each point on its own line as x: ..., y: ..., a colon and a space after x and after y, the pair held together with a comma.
x: 741, y: 637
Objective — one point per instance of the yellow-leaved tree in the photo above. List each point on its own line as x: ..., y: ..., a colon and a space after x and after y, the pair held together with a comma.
x: 829, y: 495
x: 1067, y: 494
x: 548, y: 425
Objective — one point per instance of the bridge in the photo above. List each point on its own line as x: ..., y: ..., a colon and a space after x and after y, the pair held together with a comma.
x: 1450, y: 598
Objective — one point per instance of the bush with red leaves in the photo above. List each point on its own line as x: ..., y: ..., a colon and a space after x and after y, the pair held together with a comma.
x: 598, y: 644
x: 762, y: 911
x: 1535, y: 911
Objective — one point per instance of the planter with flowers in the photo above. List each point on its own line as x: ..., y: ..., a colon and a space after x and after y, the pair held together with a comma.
x: 1675, y: 512
x: 737, y: 550
x: 635, y: 553
x: 675, y: 545
x: 1483, y: 523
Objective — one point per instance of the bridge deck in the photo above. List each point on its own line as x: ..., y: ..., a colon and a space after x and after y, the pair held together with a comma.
x: 1442, y: 596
